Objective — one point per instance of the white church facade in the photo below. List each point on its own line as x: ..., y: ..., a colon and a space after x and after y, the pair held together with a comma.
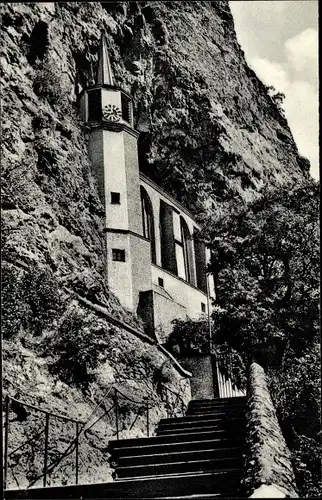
x: 156, y: 264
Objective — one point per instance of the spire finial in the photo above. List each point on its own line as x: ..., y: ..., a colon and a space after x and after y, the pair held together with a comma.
x: 104, y: 71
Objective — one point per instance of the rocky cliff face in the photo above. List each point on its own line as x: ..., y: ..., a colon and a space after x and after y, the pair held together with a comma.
x: 208, y: 127
x: 209, y: 132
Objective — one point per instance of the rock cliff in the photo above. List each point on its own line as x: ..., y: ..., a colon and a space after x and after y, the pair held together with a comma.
x: 209, y: 132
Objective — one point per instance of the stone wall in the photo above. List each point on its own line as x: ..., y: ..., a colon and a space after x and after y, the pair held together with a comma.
x: 269, y: 472
x: 202, y: 383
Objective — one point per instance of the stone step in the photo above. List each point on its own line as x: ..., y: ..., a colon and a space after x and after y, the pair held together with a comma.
x: 182, y: 456
x: 222, y: 407
x: 194, y: 435
x: 225, y: 482
x: 219, y: 401
x: 204, y: 417
x: 215, y: 411
x: 210, y: 496
x: 238, y: 399
x: 161, y: 469
x: 118, y: 448
x: 188, y: 422
x: 209, y: 409
x: 216, y: 429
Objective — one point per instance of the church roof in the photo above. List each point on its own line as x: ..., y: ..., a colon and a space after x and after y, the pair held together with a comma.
x: 104, y: 71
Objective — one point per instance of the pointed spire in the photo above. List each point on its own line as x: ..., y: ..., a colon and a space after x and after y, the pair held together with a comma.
x: 104, y: 71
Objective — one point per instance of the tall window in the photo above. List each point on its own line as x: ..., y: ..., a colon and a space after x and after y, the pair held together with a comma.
x: 148, y: 221
x: 183, y: 249
x: 167, y: 238
x: 201, y: 264
x: 186, y: 244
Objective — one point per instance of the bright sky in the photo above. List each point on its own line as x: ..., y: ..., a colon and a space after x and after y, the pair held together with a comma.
x: 279, y: 38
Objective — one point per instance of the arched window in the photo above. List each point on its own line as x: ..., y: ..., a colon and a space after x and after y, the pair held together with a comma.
x: 148, y: 221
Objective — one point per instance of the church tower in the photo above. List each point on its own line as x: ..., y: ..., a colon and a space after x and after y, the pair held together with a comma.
x: 107, y: 111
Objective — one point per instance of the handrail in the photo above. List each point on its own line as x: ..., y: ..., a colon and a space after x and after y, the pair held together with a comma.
x: 46, y: 411
x: 110, y: 318
x: 146, y: 403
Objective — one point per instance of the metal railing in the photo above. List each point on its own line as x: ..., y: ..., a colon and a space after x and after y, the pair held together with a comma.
x: 172, y: 400
x: 8, y: 401
x: 228, y: 385
x: 178, y: 398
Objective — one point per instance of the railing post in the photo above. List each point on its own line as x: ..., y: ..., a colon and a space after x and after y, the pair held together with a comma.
x: 147, y: 420
x: 6, y: 439
x: 116, y: 414
x: 77, y: 451
x: 46, y: 449
x: 182, y: 407
x: 167, y: 402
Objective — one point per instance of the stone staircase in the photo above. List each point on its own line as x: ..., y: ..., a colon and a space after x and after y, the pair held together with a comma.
x: 199, y: 455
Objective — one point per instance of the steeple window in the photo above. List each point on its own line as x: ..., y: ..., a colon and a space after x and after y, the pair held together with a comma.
x: 118, y: 254
x: 94, y: 105
x: 126, y: 105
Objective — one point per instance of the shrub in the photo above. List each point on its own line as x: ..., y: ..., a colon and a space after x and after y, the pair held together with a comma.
x: 189, y: 337
x: 48, y: 85
x: 76, y: 349
x: 277, y: 99
x: 43, y: 298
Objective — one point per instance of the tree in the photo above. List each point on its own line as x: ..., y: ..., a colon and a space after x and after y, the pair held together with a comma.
x: 265, y: 259
x: 277, y: 98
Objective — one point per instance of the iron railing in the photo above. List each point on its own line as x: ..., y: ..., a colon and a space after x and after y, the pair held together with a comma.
x: 228, y: 384
x: 172, y: 401
x: 8, y: 401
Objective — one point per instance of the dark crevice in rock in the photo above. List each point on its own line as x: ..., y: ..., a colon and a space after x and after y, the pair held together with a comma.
x: 149, y: 13
x: 38, y: 42
x: 283, y: 137
x: 12, y: 19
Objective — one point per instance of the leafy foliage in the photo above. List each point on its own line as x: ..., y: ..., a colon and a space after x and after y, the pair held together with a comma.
x: 265, y: 259
x: 277, y: 98
x: 190, y: 337
x: 76, y: 349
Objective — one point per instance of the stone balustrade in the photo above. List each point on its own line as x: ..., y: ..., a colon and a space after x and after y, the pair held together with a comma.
x: 269, y: 472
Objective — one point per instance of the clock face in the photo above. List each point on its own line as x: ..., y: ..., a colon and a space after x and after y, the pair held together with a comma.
x: 112, y: 113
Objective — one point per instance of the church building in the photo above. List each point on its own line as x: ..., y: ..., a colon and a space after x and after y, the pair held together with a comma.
x: 156, y: 264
